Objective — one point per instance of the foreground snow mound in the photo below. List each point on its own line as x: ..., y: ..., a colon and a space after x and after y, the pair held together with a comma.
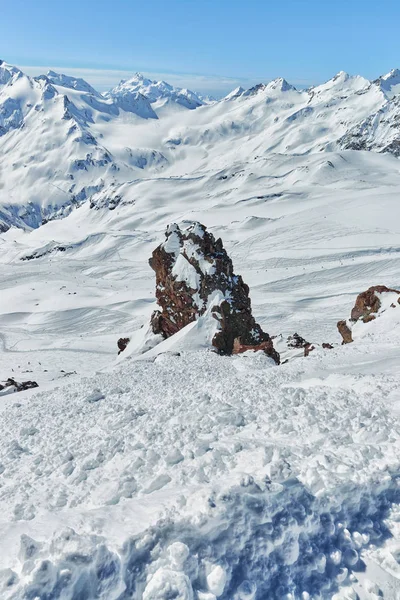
x: 195, y: 279
x: 237, y: 480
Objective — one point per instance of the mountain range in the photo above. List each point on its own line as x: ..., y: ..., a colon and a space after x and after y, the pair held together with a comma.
x: 64, y: 143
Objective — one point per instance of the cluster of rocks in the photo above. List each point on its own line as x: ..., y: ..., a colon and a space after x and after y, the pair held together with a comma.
x: 195, y: 279
x: 195, y: 275
x: 367, y: 307
x: 295, y: 341
x: 13, y: 386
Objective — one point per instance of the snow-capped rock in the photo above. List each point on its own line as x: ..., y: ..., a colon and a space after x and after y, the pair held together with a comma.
x: 376, y: 302
x: 195, y: 280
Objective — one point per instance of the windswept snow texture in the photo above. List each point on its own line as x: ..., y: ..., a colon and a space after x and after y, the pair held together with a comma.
x: 170, y: 472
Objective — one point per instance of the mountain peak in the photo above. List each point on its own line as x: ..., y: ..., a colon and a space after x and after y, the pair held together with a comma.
x: 238, y: 91
x: 394, y: 73
x: 8, y: 72
x: 389, y: 83
x: 280, y: 84
x: 156, y: 91
x: 73, y: 83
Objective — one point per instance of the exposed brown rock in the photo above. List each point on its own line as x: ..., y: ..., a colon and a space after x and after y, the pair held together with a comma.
x: 122, y: 344
x: 327, y: 346
x: 194, y: 274
x: 366, y: 307
x: 368, y: 302
x: 345, y: 332
x: 309, y: 348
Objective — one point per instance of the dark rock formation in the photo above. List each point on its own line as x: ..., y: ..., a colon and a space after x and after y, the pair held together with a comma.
x: 122, y: 344
x: 194, y: 275
x: 295, y: 341
x: 19, y: 387
x: 365, y: 309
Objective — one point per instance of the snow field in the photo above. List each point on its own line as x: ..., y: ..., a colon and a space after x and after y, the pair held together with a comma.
x: 272, y: 481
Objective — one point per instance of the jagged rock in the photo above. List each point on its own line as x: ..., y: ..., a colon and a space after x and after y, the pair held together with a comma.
x: 345, y: 332
x: 366, y: 309
x: 18, y: 387
x: 309, y: 348
x: 368, y: 303
x: 122, y: 344
x: 327, y: 346
x: 194, y: 274
x: 297, y: 342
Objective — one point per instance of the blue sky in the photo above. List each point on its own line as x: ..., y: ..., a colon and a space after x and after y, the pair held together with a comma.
x: 209, y: 45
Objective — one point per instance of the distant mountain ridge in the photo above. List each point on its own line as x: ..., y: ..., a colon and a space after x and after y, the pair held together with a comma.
x: 156, y: 91
x: 62, y: 141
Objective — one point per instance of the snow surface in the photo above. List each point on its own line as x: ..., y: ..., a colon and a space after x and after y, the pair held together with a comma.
x: 169, y: 471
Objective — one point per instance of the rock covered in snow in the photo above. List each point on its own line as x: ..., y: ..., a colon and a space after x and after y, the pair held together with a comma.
x: 194, y: 276
x: 368, y: 306
x: 11, y: 386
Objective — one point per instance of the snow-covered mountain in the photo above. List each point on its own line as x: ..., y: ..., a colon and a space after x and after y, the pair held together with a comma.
x: 158, y: 92
x: 170, y: 471
x: 390, y: 83
x: 63, y: 141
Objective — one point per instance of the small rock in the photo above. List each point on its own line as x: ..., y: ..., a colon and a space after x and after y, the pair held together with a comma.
x: 122, y: 344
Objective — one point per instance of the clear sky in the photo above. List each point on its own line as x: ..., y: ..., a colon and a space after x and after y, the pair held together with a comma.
x: 211, y: 45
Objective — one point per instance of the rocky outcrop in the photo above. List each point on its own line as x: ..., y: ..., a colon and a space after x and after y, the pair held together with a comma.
x: 194, y: 276
x: 13, y: 386
x: 295, y: 341
x: 345, y: 332
x: 367, y: 307
x: 122, y: 344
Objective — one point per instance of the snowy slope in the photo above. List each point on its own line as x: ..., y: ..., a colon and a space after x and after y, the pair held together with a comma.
x: 380, y: 131
x: 176, y: 473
